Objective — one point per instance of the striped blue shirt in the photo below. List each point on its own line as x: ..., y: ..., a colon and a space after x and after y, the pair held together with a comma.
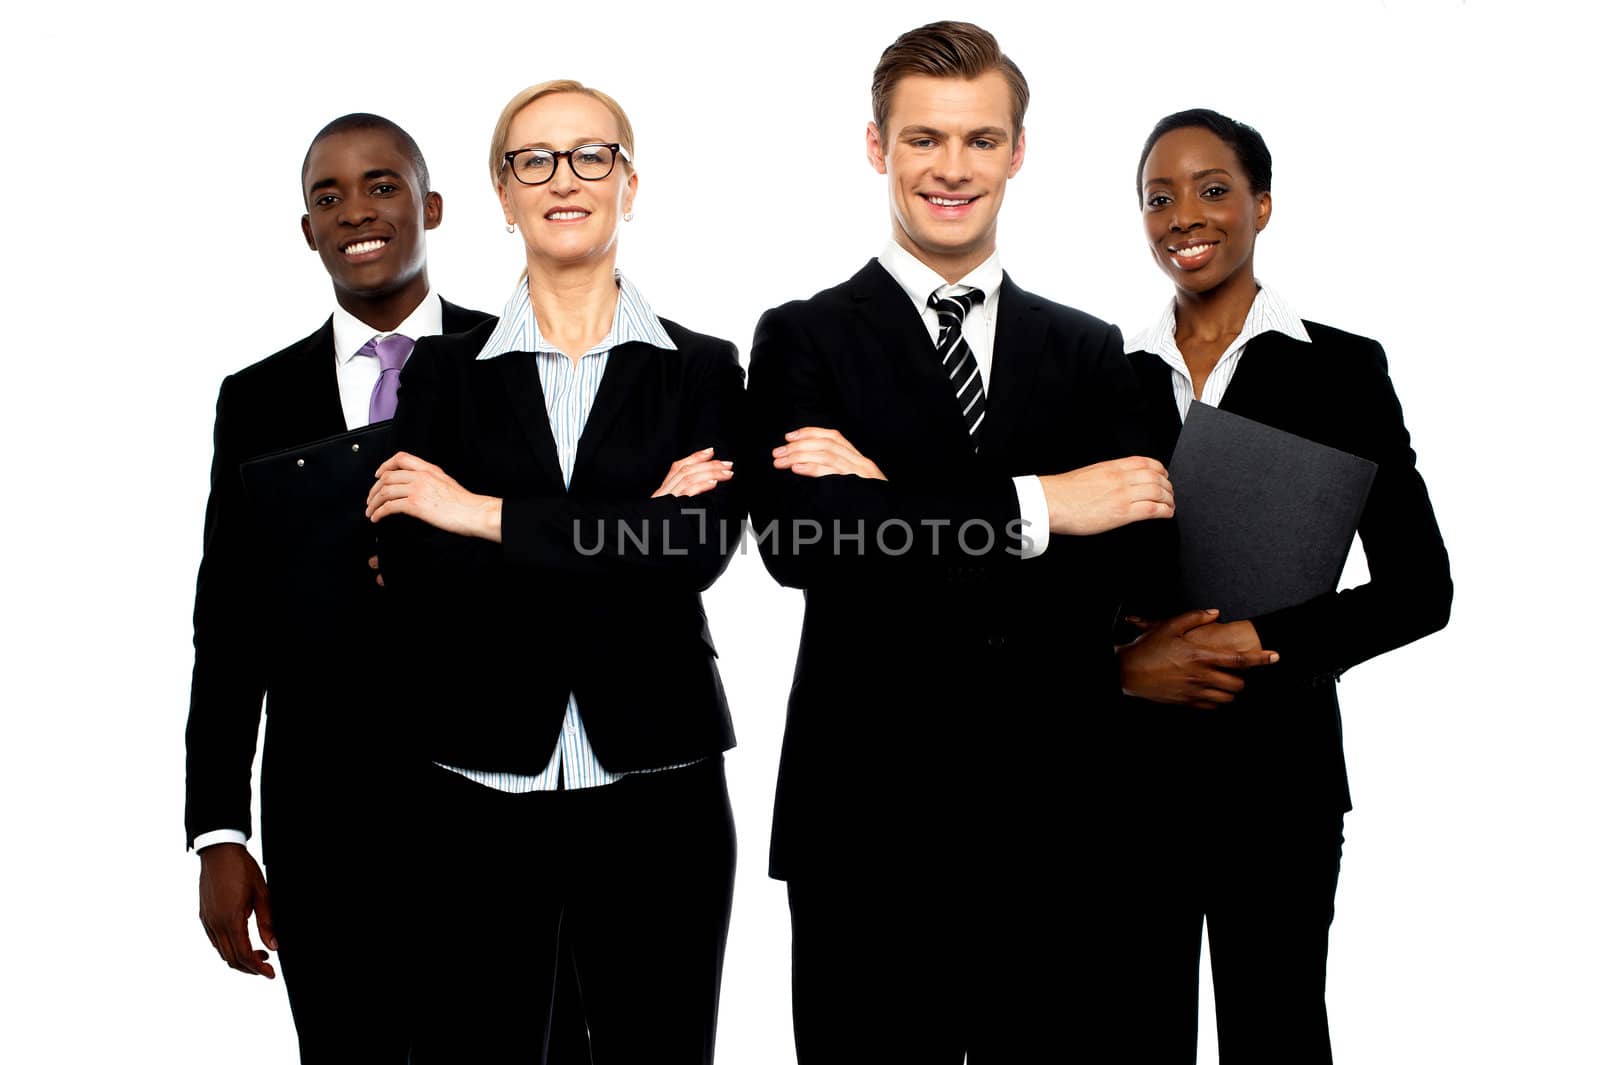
x: 569, y: 391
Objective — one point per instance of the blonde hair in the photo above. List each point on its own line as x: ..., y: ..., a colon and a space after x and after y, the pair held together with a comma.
x: 502, y: 128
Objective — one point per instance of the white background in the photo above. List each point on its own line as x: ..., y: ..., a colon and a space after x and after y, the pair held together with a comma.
x: 1436, y: 188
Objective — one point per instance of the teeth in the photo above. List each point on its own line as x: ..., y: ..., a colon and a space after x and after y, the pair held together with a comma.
x: 942, y: 201
x: 566, y: 216
x: 364, y: 246
x: 1190, y: 253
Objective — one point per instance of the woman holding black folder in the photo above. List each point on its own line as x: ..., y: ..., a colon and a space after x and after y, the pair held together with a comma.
x: 1234, y: 815
x: 561, y: 497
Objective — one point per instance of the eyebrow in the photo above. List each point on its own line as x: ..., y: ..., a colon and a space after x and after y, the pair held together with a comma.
x: 547, y: 146
x: 994, y: 133
x: 1196, y: 176
x: 370, y: 175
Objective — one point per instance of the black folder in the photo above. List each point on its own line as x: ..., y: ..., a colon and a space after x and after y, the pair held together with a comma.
x: 1265, y: 518
x: 308, y: 505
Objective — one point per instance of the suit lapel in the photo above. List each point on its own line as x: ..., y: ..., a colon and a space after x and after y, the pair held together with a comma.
x: 1258, y: 378
x: 903, y: 341
x: 625, y: 366
x: 519, y: 380
x: 318, y: 396
x: 1018, y: 339
x: 1155, y: 382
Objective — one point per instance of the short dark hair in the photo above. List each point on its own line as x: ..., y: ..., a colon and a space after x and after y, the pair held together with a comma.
x: 361, y: 120
x: 1246, y: 143
x: 945, y: 50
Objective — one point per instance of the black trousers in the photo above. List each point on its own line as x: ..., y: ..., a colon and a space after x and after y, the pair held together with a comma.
x: 635, y: 877
x: 1262, y: 878
x: 976, y: 961
x: 341, y: 918
x: 341, y: 932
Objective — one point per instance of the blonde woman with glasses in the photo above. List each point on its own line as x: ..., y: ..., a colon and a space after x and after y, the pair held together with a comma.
x: 563, y: 493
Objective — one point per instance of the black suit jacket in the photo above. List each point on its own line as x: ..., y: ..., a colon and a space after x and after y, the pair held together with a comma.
x: 320, y: 710
x: 1281, y: 738
x: 947, y: 691
x: 594, y: 590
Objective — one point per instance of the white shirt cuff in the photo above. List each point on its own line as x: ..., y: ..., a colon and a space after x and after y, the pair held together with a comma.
x: 1035, y: 514
x: 218, y: 835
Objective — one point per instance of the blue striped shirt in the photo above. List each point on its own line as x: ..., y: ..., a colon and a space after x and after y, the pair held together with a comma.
x: 569, y: 391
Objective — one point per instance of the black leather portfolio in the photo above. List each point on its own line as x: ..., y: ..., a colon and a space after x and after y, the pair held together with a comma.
x: 1265, y: 518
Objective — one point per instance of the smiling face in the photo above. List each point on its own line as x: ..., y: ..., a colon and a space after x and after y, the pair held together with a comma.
x: 1200, y: 214
x: 567, y: 221
x: 948, y: 151
x: 365, y: 215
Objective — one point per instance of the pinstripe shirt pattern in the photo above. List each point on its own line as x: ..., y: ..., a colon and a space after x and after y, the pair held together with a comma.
x: 569, y: 392
x: 1268, y: 313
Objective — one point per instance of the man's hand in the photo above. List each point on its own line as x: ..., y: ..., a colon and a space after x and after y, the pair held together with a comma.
x: 1107, y: 495
x: 814, y: 452
x: 1186, y: 660
x: 231, y: 887
x: 407, y: 485
x: 693, y: 474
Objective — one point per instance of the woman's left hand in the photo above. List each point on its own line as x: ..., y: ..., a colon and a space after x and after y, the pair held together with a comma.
x: 408, y: 485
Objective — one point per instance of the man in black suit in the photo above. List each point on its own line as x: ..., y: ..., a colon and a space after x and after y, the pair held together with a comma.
x: 956, y: 661
x: 333, y: 786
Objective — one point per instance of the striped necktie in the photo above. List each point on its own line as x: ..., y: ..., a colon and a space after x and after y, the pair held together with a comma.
x: 955, y: 354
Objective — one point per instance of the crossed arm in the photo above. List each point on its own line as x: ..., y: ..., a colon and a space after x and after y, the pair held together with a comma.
x: 695, y: 537
x: 811, y: 471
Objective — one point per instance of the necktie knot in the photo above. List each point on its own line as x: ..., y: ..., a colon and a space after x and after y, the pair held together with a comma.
x: 958, y: 306
x: 391, y: 352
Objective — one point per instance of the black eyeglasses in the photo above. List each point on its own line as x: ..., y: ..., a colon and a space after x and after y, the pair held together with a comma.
x: 591, y: 162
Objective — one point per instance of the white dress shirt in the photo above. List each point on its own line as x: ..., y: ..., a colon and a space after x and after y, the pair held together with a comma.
x: 356, y: 376
x: 359, y: 373
x: 920, y: 281
x: 1268, y: 313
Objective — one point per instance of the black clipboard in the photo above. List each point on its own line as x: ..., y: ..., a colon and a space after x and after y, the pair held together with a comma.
x: 1265, y: 518
x: 308, y: 507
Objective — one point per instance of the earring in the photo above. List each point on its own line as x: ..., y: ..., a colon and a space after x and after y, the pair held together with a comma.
x: 511, y: 227
x: 627, y: 216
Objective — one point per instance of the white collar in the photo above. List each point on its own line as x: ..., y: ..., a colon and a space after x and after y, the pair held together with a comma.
x: 634, y: 321
x: 919, y: 280
x: 1269, y: 312
x: 350, y: 334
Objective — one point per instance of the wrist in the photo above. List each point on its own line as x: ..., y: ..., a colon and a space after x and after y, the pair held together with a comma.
x: 488, y: 524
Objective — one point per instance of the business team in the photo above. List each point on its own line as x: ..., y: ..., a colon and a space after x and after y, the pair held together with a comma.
x: 967, y: 481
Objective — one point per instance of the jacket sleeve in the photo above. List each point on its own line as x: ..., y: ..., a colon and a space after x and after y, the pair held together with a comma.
x: 229, y: 679
x: 815, y: 529
x: 1410, y: 590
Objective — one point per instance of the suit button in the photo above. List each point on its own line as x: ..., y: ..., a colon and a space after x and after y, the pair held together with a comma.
x: 299, y: 462
x: 355, y: 447
x: 997, y: 640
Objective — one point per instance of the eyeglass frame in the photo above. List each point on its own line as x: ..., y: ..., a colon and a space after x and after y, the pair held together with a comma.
x: 507, y: 161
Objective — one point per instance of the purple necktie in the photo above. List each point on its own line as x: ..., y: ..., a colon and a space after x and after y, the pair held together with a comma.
x: 391, y: 351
